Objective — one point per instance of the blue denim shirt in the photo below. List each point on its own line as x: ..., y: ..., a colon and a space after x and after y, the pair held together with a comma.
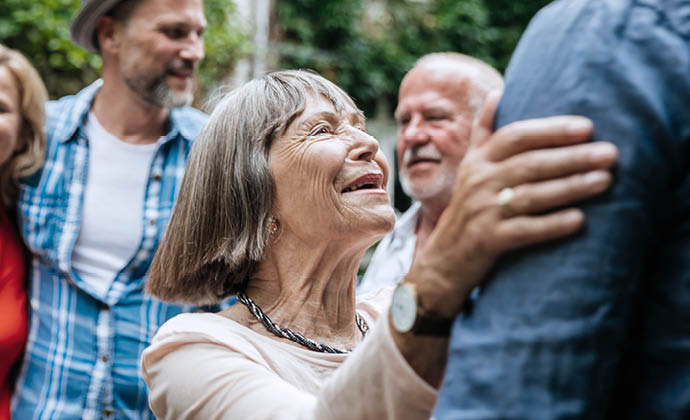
x: 82, y: 356
x: 596, y: 326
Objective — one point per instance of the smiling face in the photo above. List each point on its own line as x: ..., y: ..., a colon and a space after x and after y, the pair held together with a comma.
x: 330, y: 176
x: 160, y: 51
x: 10, y: 118
x: 434, y: 117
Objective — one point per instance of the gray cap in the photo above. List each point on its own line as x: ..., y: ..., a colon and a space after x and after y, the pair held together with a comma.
x: 84, y: 24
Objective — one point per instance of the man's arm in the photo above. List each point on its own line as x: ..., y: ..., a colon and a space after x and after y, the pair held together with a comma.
x: 548, y: 336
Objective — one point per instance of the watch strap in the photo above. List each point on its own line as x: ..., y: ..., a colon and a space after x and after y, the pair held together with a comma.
x: 432, y: 326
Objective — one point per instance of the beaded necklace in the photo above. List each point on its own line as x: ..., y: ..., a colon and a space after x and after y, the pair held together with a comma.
x: 295, y: 336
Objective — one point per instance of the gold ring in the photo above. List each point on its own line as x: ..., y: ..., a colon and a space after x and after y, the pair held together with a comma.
x: 505, y: 197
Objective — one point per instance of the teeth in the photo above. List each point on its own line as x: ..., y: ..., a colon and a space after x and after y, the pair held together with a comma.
x: 356, y: 187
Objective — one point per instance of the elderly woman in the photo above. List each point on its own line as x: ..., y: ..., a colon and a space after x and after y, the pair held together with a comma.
x: 22, y: 101
x: 284, y: 192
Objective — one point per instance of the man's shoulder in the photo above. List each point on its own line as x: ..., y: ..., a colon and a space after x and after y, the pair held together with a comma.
x: 59, y: 107
x: 191, y: 115
x: 189, y: 120
x: 64, y: 115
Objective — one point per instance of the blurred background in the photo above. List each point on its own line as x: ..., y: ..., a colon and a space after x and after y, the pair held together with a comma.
x: 364, y: 46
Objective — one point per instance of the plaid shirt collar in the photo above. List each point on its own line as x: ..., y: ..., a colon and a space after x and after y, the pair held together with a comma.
x: 82, y: 104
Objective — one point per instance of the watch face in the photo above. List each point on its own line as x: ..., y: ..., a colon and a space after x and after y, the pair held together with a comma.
x: 404, y: 308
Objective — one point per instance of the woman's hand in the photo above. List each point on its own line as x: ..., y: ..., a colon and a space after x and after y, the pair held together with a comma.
x: 543, y: 164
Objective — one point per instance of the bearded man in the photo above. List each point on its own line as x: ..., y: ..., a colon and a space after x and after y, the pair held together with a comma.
x: 92, y: 218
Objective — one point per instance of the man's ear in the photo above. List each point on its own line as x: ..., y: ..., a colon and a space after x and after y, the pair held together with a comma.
x: 108, y: 33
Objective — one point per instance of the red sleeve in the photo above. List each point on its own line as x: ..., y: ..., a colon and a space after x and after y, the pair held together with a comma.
x: 13, y: 311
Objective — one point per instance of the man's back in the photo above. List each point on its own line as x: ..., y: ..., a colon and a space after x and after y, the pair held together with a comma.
x: 597, y: 326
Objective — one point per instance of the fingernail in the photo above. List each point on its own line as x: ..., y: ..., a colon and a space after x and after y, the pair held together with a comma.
x: 574, y: 216
x: 596, y: 177
x: 579, y: 125
x: 602, y: 152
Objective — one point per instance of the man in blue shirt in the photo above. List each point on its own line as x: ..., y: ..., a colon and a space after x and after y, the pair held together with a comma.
x: 596, y: 326
x: 92, y: 218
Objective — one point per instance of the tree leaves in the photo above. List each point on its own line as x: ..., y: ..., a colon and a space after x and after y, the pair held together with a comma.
x: 366, y: 47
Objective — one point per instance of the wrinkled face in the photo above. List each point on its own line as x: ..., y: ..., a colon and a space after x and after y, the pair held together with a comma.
x: 434, y: 124
x: 330, y: 177
x: 10, y: 115
x: 161, y: 49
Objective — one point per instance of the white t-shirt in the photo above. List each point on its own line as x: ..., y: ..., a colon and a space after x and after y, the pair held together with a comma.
x: 112, y: 213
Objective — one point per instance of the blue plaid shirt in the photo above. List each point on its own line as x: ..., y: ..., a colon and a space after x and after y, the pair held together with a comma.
x: 82, y: 356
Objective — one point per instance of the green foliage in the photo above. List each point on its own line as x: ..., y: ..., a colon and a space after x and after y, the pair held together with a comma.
x: 40, y: 30
x: 226, y: 41
x: 510, y: 18
x: 365, y: 46
x: 368, y: 55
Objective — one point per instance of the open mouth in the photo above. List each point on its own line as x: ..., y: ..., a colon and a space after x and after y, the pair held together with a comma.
x: 361, y: 187
x: 366, y: 182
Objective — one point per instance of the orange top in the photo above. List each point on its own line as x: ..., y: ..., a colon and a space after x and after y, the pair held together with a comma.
x: 13, y: 311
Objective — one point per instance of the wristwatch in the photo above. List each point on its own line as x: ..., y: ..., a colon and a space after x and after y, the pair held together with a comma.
x: 408, y: 316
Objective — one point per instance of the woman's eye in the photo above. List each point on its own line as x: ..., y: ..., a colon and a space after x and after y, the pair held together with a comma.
x: 320, y: 131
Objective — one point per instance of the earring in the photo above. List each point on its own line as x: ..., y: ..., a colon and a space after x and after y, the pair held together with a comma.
x: 272, y: 225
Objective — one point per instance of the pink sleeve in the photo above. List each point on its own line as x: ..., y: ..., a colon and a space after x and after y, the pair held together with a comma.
x: 207, y: 381
x: 193, y: 378
x: 376, y: 382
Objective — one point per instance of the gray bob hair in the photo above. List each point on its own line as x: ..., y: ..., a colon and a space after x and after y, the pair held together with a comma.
x: 218, y: 232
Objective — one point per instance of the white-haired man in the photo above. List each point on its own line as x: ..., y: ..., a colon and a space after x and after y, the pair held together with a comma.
x: 92, y: 218
x: 437, y: 103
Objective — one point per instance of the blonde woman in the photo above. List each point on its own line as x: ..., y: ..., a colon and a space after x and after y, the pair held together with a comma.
x: 22, y: 99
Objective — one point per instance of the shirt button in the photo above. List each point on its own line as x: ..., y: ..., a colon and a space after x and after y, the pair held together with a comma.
x: 104, y: 358
x: 105, y: 306
x: 152, y: 222
x: 108, y: 413
x: 157, y: 176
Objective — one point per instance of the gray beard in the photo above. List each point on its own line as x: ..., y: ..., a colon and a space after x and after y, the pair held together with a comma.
x: 168, y: 98
x: 437, y: 188
x: 159, y: 93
